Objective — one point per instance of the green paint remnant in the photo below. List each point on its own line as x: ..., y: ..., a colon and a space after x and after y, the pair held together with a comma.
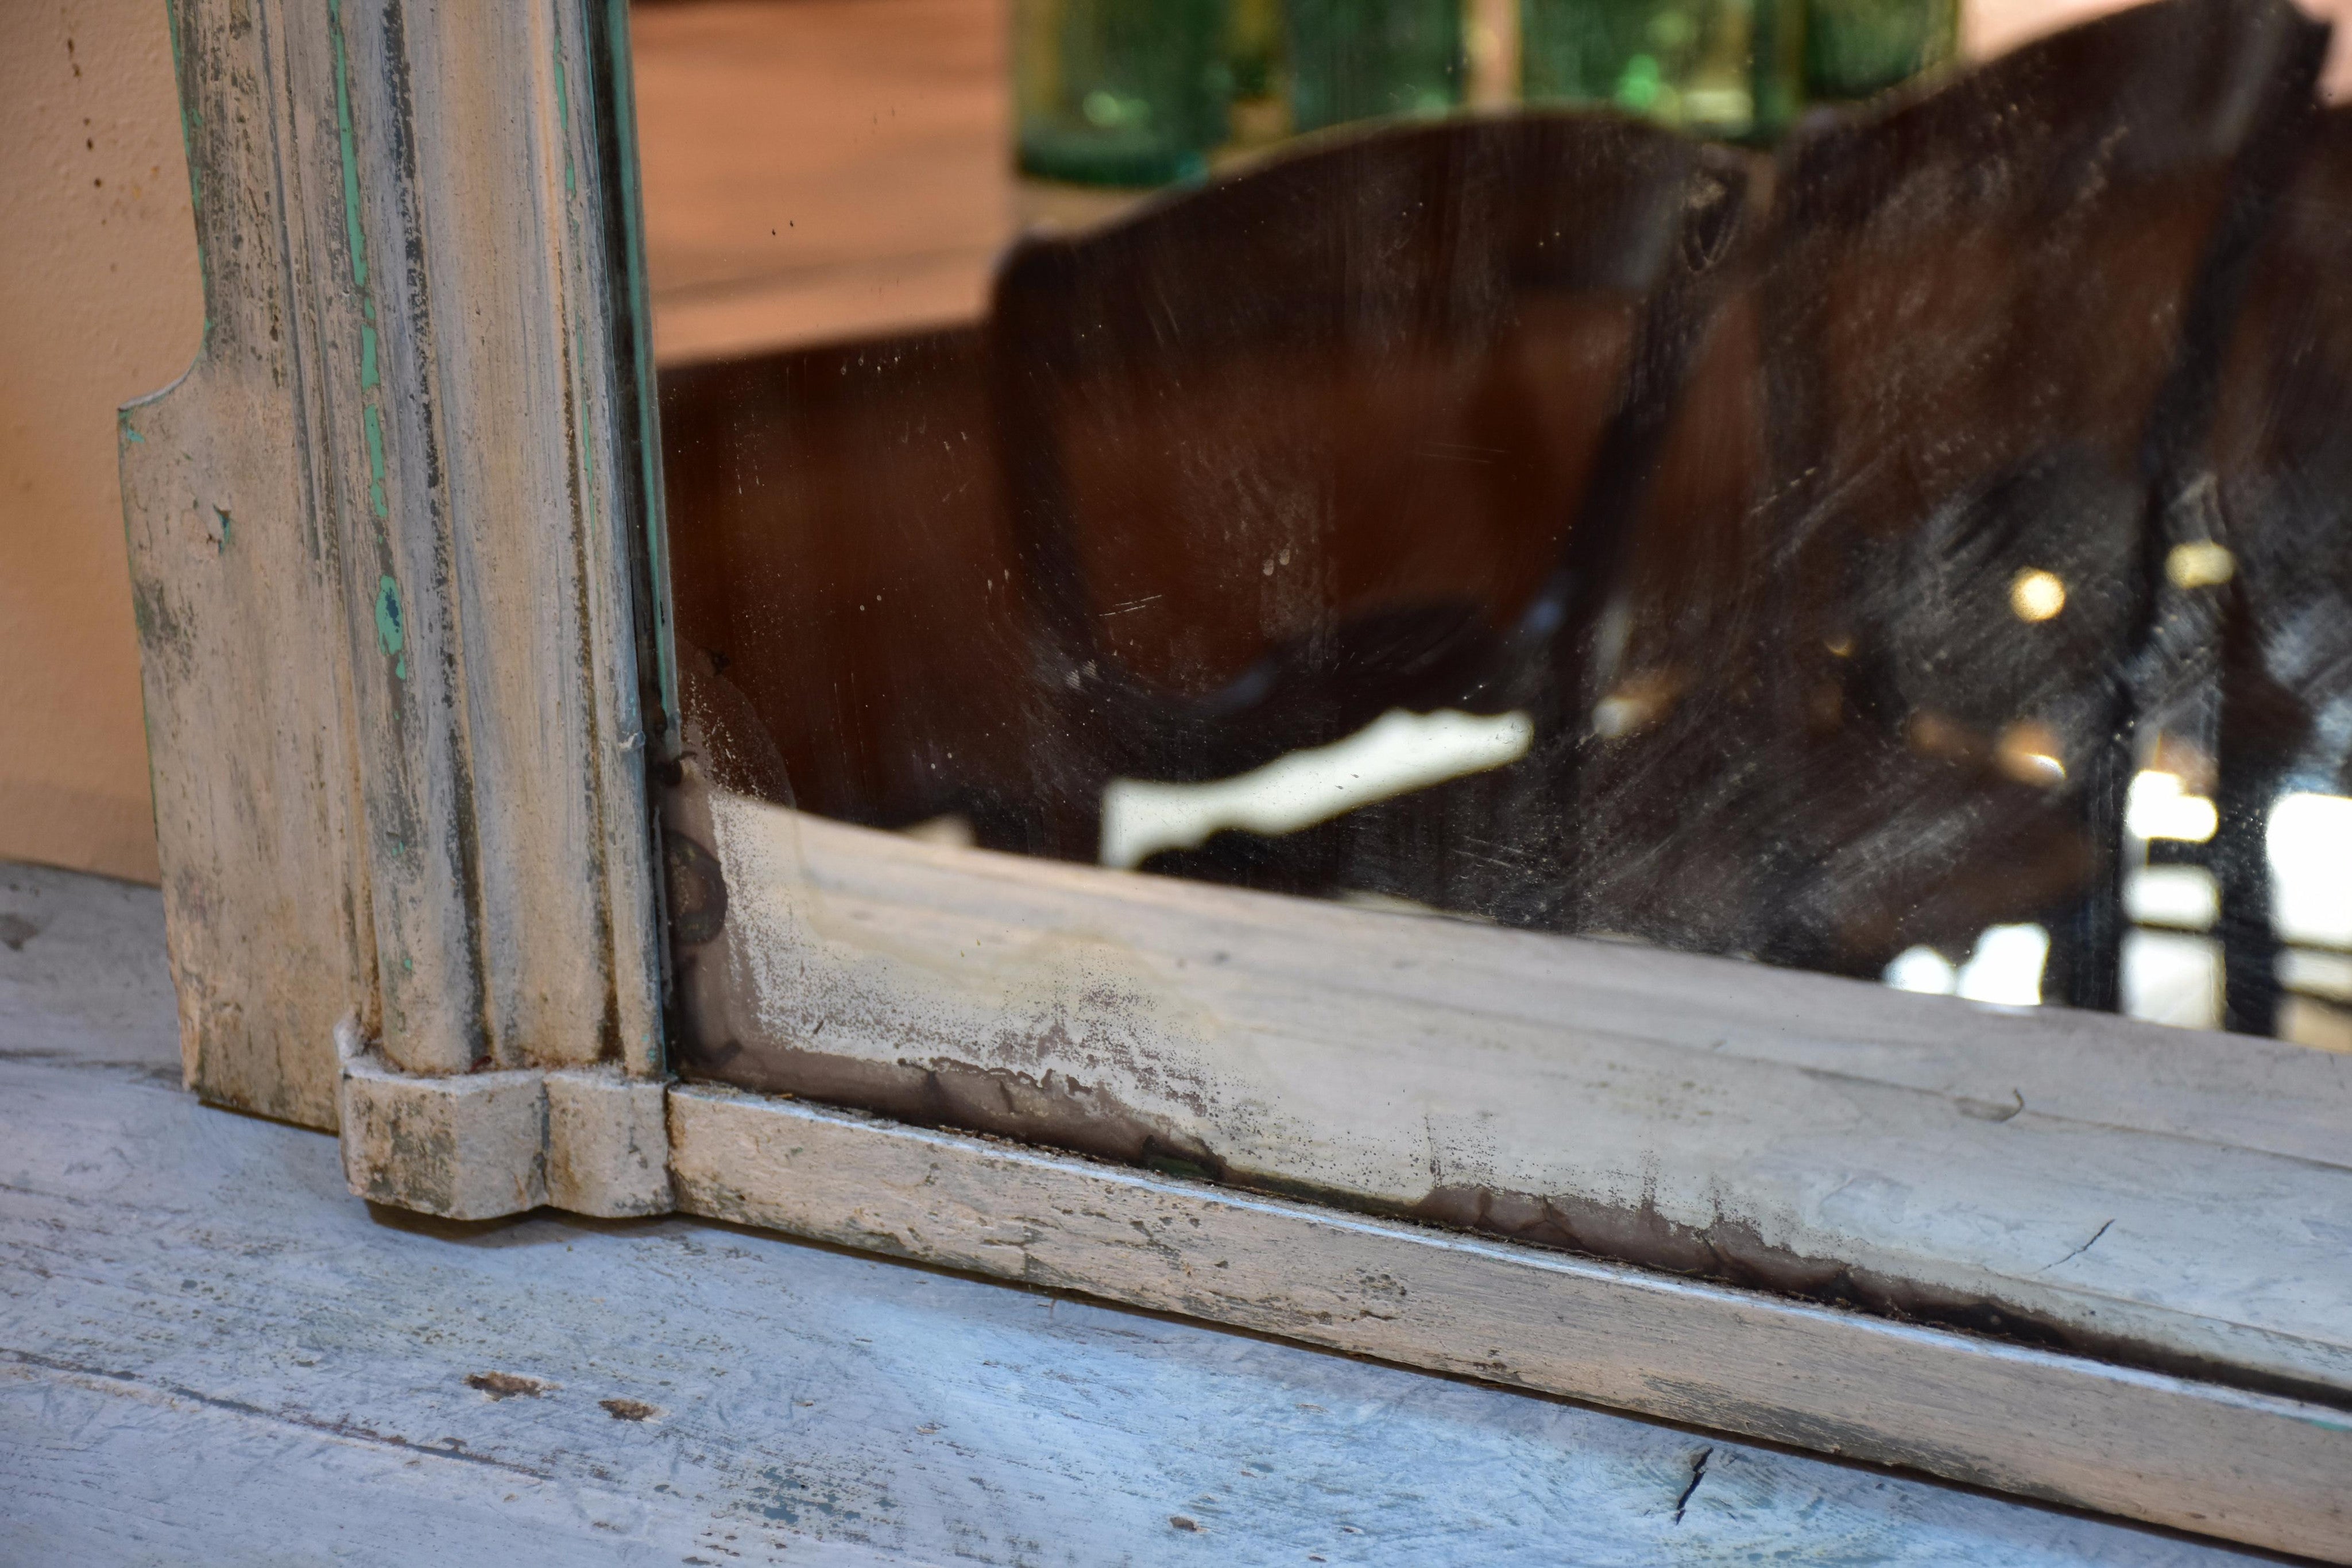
x: 367, y: 357
x: 408, y: 966
x: 389, y: 633
x: 587, y: 444
x: 190, y: 119
x: 130, y: 434
x: 220, y: 545
x: 350, y: 144
x: 374, y: 422
x: 563, y: 112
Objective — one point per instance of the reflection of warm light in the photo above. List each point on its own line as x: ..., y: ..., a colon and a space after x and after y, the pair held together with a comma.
x: 2202, y: 564
x: 2158, y: 808
x: 2176, y: 753
x: 2028, y: 752
x: 2037, y: 595
x: 2311, y: 869
x: 1932, y: 734
x: 1635, y: 705
x: 1395, y: 754
x: 953, y: 831
x: 2006, y: 969
x: 1614, y: 718
x: 1842, y: 646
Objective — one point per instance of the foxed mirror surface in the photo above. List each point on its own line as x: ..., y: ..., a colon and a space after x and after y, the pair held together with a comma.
x: 1357, y: 599
x: 1868, y: 509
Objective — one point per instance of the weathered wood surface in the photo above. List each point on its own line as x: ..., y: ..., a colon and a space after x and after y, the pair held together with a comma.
x: 2171, y: 1196
x: 484, y: 1145
x: 388, y: 539
x: 446, y: 212
x: 210, y: 1354
x: 2241, y: 1466
x: 237, y: 586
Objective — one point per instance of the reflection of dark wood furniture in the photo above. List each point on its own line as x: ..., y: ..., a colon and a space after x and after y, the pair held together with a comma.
x: 1189, y: 476
x: 1373, y: 425
x: 840, y: 553
x: 2281, y: 452
x: 1998, y: 318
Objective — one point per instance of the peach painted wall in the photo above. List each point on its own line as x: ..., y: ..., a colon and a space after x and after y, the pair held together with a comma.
x: 1989, y: 27
x: 100, y: 302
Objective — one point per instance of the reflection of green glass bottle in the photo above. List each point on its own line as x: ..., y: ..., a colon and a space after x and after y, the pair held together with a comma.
x: 1261, y: 111
x: 1119, y: 93
x: 1777, y: 66
x: 1857, y: 47
x: 1681, y: 62
x: 1361, y: 59
x: 1253, y: 33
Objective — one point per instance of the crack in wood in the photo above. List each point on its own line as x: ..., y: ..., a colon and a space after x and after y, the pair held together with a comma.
x: 2078, y: 1251
x: 349, y: 1430
x: 1697, y: 1474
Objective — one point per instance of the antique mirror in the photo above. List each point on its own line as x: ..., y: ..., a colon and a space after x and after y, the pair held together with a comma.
x: 1649, y: 698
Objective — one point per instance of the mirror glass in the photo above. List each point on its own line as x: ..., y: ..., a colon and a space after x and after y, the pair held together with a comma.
x: 1860, y: 485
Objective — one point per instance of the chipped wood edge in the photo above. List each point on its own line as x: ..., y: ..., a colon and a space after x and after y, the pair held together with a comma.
x: 2256, y: 1468
x: 481, y: 1145
x: 2117, y: 1189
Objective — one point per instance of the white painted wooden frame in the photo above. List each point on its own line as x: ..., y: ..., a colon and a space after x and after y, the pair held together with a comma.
x: 398, y: 577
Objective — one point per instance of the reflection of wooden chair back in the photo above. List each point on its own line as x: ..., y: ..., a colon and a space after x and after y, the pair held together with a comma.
x: 1357, y: 430
x: 1993, y: 317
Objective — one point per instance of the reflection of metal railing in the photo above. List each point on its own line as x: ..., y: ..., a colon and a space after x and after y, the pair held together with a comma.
x: 2173, y: 965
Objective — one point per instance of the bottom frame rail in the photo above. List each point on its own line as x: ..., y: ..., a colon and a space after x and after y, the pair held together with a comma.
x: 2254, y: 1468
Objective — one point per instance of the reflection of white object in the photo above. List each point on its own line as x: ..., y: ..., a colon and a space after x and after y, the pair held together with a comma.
x: 1922, y: 969
x: 1395, y: 754
x: 2321, y: 974
x: 2158, y: 809
x: 2172, y: 978
x: 2182, y: 895
x: 2006, y: 967
x: 2311, y: 869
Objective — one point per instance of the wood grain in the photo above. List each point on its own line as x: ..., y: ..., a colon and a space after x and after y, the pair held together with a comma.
x: 244, y: 663
x: 210, y: 1354
x: 2159, y: 1195
x: 388, y: 537
x: 448, y: 212
x: 2268, y: 1471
